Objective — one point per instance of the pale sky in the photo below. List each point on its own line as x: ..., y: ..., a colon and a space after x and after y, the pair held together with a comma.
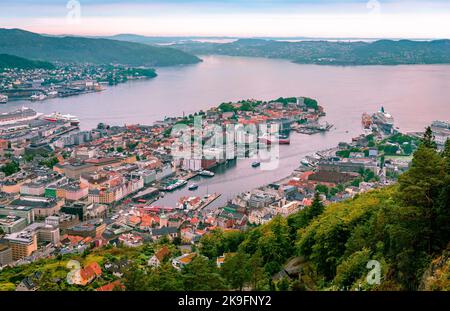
x: 282, y: 18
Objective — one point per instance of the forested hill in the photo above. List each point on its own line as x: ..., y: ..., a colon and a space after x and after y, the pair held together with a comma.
x: 382, y: 52
x: 11, y: 61
x: 87, y: 50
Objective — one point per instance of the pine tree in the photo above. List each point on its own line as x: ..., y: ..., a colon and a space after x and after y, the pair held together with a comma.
x: 428, y: 139
x: 316, y: 207
x: 422, y: 186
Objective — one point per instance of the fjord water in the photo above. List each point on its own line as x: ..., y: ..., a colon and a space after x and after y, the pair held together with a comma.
x: 415, y: 95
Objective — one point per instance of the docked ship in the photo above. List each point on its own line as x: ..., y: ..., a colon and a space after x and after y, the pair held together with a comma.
x: 22, y: 114
x: 38, y: 97
x: 175, y: 184
x: 384, y: 121
x: 56, y: 116
x: 206, y: 173
x: 3, y: 99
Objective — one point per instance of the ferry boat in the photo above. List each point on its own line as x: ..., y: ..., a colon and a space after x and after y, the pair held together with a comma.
x: 193, y: 187
x: 22, y: 114
x: 176, y: 184
x: 3, y: 99
x: 56, y: 116
x: 206, y: 173
x: 256, y: 164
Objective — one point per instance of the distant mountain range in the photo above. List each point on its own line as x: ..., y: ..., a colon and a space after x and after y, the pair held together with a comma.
x: 89, y: 50
x: 381, y: 52
x: 163, y: 40
x: 11, y: 61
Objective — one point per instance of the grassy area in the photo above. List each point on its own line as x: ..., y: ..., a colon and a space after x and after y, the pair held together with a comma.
x: 399, y: 157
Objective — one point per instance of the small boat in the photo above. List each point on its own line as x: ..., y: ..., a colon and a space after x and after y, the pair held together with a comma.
x: 193, y: 187
x: 3, y: 99
x: 305, y: 162
x: 52, y: 94
x: 206, y: 173
x: 38, y: 97
x: 283, y: 139
x: 256, y: 164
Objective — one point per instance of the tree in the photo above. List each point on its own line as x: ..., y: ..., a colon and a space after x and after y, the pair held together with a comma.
x: 10, y: 168
x: 316, y: 207
x: 165, y: 278
x: 246, y: 106
x: 226, y: 107
x: 322, y: 189
x: 211, y: 244
x: 422, y: 186
x: 135, y: 279
x: 257, y: 275
x: 201, y: 274
x: 428, y: 139
x: 275, y: 244
x: 283, y: 284
x: 236, y: 270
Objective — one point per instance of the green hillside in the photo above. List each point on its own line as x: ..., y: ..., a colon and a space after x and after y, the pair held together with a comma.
x: 86, y: 50
x: 11, y: 61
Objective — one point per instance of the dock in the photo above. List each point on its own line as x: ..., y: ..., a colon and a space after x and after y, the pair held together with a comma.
x: 211, y: 199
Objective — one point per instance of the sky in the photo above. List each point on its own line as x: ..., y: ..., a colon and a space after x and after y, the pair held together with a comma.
x: 235, y: 18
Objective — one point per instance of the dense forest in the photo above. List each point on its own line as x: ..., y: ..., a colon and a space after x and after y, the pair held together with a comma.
x: 11, y: 61
x: 405, y: 228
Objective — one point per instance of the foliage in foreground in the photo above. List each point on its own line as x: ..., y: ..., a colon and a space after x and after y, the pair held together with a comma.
x: 403, y: 227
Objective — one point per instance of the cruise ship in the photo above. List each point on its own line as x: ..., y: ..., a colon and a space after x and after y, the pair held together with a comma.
x: 3, y: 99
x: 56, y: 116
x: 22, y: 114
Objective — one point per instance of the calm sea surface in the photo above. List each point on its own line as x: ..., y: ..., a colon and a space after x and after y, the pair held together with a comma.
x: 415, y: 95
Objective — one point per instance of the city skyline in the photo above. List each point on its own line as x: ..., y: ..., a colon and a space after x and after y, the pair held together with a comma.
x: 286, y: 18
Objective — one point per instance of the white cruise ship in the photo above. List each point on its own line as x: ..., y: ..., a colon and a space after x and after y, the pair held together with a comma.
x: 22, y: 114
